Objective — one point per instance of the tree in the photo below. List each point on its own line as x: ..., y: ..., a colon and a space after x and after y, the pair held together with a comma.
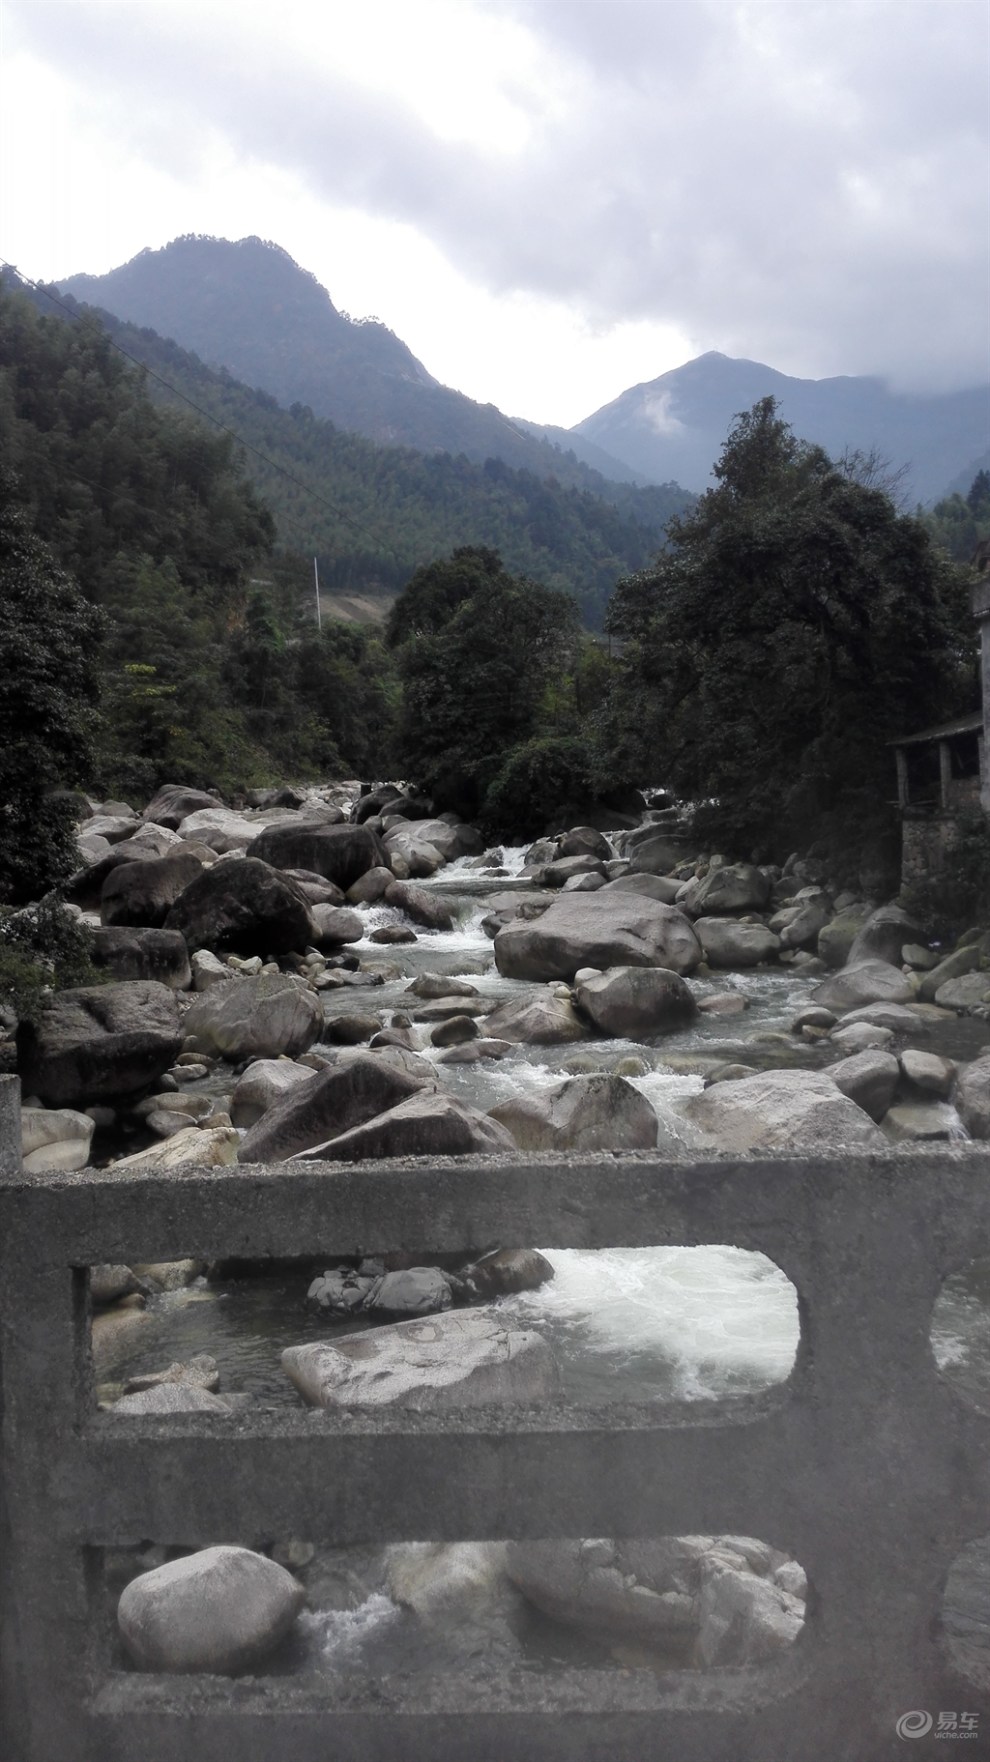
x: 797, y: 625
x: 479, y: 647
x: 48, y: 635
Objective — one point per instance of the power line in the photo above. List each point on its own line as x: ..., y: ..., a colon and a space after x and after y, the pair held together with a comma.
x: 208, y: 416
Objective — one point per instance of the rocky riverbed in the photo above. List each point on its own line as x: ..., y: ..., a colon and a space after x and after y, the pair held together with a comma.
x: 342, y: 977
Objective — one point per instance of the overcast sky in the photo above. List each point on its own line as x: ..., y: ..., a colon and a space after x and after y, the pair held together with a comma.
x: 548, y: 200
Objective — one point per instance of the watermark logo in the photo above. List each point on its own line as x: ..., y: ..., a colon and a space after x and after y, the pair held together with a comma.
x: 918, y: 1723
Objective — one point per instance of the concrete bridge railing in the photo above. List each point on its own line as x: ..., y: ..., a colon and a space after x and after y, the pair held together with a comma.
x: 866, y: 1464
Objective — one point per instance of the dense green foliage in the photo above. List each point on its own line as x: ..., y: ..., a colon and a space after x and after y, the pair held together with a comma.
x: 958, y: 897
x: 958, y: 523
x: 373, y: 514
x: 478, y: 647
x: 42, y: 949
x: 209, y: 668
x: 547, y: 781
x: 48, y: 632
x: 797, y: 625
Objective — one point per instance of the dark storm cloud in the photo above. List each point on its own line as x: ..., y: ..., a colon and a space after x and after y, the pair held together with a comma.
x: 806, y: 184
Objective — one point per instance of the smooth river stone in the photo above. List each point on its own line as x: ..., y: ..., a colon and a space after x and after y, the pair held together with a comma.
x: 463, y: 1358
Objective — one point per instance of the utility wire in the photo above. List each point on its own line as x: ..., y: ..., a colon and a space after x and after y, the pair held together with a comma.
x: 207, y: 415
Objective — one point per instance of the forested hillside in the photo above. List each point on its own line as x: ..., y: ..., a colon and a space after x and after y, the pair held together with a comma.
x: 373, y: 514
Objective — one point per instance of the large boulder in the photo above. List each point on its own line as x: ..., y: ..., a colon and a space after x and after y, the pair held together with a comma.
x: 584, y: 1113
x: 219, y: 829
x: 339, y: 853
x: 544, y: 1020
x: 339, y: 1098
x: 427, y: 1124
x: 869, y: 1079
x: 463, y: 1358
x: 603, y: 929
x: 424, y: 908
x: 130, y: 953
x: 972, y: 1097
x: 54, y: 1138
x: 143, y: 892
x: 265, y: 1083
x: 883, y: 936
x: 211, y: 1147
x: 635, y: 1002
x: 727, y: 943
x: 732, y: 887
x: 662, y: 887
x: 259, y: 1017
x: 781, y: 1110
x: 220, y: 1611
x: 836, y: 938
x: 863, y: 982
x: 174, y: 802
x: 100, y: 1043
x: 243, y: 907
x: 955, y: 966
x: 334, y: 924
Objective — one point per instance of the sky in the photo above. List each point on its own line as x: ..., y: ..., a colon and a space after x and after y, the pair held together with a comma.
x: 547, y: 200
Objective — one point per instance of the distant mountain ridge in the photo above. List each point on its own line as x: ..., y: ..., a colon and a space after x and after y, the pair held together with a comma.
x: 675, y: 425
x: 249, y: 307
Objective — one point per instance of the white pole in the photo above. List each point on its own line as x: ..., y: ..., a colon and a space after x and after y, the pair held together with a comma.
x: 316, y: 580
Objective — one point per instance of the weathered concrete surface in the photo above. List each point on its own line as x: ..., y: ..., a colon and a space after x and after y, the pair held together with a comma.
x: 867, y: 1467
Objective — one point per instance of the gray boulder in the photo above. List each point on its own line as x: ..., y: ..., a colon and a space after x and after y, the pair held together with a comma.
x: 583, y: 1113
x: 259, y: 1017
x: 732, y: 887
x: 972, y: 1097
x: 869, y: 1079
x: 333, y: 925
x: 220, y: 1611
x: 424, y: 908
x: 863, y: 982
x: 55, y: 1138
x: 338, y: 1099
x: 464, y: 1358
x: 661, y: 887
x: 635, y: 1002
x: 544, y: 1020
x: 143, y: 954
x: 172, y: 1397
x: 954, y: 966
x: 339, y: 853
x: 836, y: 938
x: 928, y: 1073
x: 427, y: 1124
x: 143, y: 892
x: 883, y: 936
x: 610, y: 928
x: 923, y: 1122
x: 781, y: 1110
x: 264, y: 1083
x: 965, y: 992
x: 242, y: 907
x: 98, y: 1043
x: 727, y: 943
x: 174, y: 802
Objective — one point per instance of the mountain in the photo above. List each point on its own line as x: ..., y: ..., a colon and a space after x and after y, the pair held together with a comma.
x: 249, y: 307
x: 674, y: 426
x: 373, y: 514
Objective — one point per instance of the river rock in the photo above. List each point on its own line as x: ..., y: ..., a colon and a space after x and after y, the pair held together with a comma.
x: 732, y: 887
x: 454, y: 1031
x: 605, y: 929
x: 219, y: 1611
x: 220, y: 829
x: 143, y: 892
x: 344, y: 1096
x: 143, y: 954
x: 655, y: 853
x: 370, y: 887
x: 972, y: 1097
x: 965, y: 992
x: 807, y: 924
x: 340, y: 853
x: 100, y: 1042
x: 333, y: 925
x: 583, y: 1113
x: 928, y: 1073
x: 506, y: 1271
x: 743, y: 1619
x: 199, y: 1372
x: 427, y: 1124
x: 424, y: 908
x: 781, y: 1110
x: 634, y: 1002
x: 109, y: 1282
x: 923, y: 1122
x: 262, y: 1085
x: 173, y: 802
x: 836, y: 938
x: 661, y: 887
x: 865, y: 982
x: 242, y: 907
x: 415, y: 1290
x: 727, y: 943
x: 209, y: 1147
x: 544, y: 1020
x: 256, y: 1018
x: 152, y: 840
x: 869, y: 1079
x: 172, y: 1397
x: 860, y: 1036
x: 208, y: 970
x: 432, y: 985
x: 954, y: 966
x: 883, y: 936
x: 463, y: 1358
x: 54, y: 1138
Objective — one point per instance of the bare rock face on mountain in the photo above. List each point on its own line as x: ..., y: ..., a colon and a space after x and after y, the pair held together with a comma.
x: 603, y: 929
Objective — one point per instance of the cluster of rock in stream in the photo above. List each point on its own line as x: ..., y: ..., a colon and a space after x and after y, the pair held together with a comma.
x: 222, y: 931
